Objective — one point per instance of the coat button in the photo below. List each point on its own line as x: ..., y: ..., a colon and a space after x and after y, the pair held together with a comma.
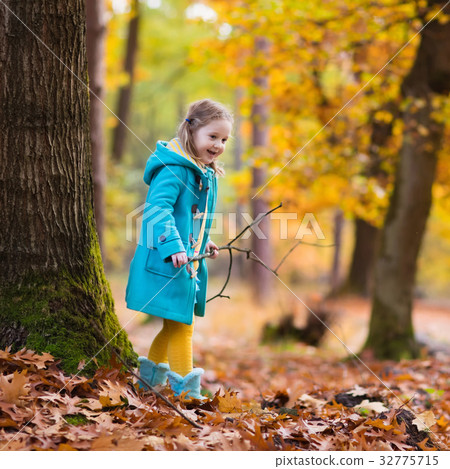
x: 194, y: 208
x: 207, y: 188
x: 162, y: 238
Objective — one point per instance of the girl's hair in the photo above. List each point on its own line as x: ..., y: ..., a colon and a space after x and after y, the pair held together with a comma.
x: 201, y: 113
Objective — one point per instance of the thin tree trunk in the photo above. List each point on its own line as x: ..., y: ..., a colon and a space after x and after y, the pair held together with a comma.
x: 391, y: 334
x: 239, y: 261
x: 52, y: 283
x: 96, y: 29
x: 360, y: 278
x: 124, y: 101
x: 335, y: 277
x: 262, y: 279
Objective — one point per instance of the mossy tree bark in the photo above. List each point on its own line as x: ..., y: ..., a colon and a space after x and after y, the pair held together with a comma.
x: 391, y: 334
x: 52, y: 284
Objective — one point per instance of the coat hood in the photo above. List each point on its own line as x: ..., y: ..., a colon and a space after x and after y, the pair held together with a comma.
x: 165, y: 157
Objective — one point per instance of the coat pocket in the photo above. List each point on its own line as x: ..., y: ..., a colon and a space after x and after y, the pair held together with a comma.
x: 156, y: 265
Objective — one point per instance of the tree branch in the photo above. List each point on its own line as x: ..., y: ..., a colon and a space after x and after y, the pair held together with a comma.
x: 250, y: 254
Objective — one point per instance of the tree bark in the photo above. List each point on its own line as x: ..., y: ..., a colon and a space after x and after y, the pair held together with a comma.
x: 391, y: 334
x: 52, y: 284
x: 360, y: 278
x: 96, y: 29
x: 335, y: 277
x: 124, y: 101
x: 238, y: 144
x: 262, y: 279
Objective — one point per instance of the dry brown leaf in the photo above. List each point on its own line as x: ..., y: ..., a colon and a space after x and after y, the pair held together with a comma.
x: 7, y: 422
x: 358, y: 391
x: 14, y: 389
x: 315, y: 426
x: 373, y: 406
x: 379, y: 423
x: 229, y: 403
x: 425, y: 420
x: 311, y: 401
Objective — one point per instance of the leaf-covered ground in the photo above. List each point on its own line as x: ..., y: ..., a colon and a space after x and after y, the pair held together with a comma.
x: 260, y: 400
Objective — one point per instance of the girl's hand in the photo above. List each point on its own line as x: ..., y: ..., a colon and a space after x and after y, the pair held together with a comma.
x: 210, y: 246
x: 179, y: 259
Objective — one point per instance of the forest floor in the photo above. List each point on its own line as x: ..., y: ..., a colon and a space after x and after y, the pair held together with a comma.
x: 281, y: 396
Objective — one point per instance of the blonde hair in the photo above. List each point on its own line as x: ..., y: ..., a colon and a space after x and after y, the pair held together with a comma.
x: 199, y: 114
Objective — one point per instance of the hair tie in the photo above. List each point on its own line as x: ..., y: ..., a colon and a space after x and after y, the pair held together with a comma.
x: 188, y: 120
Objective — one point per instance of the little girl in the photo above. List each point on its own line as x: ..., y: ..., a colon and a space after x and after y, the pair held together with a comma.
x: 182, y: 175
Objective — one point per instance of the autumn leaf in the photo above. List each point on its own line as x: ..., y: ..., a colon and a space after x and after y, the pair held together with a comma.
x: 7, y: 422
x: 229, y: 402
x: 13, y: 390
x: 375, y: 406
x: 424, y: 421
x: 315, y: 426
x: 66, y: 447
x: 311, y: 401
x: 379, y: 423
x: 423, y: 445
x: 358, y: 391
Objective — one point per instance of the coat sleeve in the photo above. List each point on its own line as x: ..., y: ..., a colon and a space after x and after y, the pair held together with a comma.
x: 159, y: 221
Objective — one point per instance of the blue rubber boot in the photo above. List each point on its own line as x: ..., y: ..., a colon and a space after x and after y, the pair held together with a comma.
x: 152, y: 373
x: 191, y: 383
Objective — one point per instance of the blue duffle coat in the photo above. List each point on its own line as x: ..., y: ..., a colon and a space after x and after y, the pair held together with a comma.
x: 171, y: 222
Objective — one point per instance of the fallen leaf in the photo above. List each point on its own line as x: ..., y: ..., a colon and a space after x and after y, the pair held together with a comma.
x: 424, y: 421
x: 229, y: 402
x: 375, y: 406
x: 380, y: 423
x: 15, y: 389
x: 66, y: 447
x: 311, y: 401
x: 357, y: 391
x: 315, y: 426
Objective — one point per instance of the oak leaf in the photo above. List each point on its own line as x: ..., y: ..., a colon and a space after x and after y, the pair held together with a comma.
x: 15, y: 389
x: 424, y: 421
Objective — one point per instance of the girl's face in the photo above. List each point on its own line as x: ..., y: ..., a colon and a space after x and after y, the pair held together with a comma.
x: 210, y: 140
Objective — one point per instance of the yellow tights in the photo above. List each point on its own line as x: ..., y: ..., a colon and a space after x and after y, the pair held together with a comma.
x: 173, y: 345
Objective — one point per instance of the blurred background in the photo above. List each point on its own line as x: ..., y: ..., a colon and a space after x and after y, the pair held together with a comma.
x: 320, y: 114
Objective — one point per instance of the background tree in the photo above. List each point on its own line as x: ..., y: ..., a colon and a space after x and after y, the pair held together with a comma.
x: 391, y: 332
x: 262, y: 279
x: 366, y: 233
x: 124, y: 99
x: 52, y: 283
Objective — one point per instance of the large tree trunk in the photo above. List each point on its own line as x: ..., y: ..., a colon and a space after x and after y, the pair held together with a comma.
x: 123, y: 107
x: 96, y: 29
x: 52, y: 284
x: 391, y: 334
x: 262, y: 279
